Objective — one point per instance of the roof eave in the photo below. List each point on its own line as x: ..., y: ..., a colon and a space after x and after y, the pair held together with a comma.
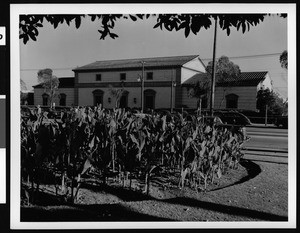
x: 125, y: 68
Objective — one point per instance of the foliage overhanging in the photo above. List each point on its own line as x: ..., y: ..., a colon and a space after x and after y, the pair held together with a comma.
x: 29, y: 24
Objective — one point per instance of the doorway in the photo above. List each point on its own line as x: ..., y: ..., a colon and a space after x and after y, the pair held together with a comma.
x: 149, y: 99
x: 98, y: 97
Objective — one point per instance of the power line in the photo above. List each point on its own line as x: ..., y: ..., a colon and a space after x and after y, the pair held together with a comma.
x: 34, y: 69
x: 250, y: 56
x: 235, y: 57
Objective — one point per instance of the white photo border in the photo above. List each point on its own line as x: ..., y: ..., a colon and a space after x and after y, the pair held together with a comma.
x: 19, y: 9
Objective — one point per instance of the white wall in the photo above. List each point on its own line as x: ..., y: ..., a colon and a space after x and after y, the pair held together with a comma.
x: 266, y: 83
x: 191, y: 68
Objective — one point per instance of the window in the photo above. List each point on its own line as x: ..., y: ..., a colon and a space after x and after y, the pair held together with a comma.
x: 149, y: 76
x: 45, y: 99
x: 122, y: 76
x: 232, y: 101
x: 62, y: 99
x: 98, y: 77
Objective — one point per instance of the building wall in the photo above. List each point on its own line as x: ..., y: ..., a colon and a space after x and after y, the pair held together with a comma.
x: 131, y: 75
x: 161, y: 83
x: 246, y: 100
x: 191, y: 68
x: 38, y: 99
x: 187, y: 102
x: 162, y: 97
x: 246, y: 97
x: 163, y: 79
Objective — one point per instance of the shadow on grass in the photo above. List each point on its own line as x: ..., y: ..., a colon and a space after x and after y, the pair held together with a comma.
x: 125, y: 194
x: 97, y: 212
x: 117, y: 212
x: 231, y: 210
x: 253, y: 170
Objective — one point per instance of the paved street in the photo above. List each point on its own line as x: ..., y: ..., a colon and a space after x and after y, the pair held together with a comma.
x: 271, y: 138
x: 267, y: 144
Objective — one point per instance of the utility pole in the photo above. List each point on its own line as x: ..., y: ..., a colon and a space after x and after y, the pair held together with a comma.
x: 213, y: 81
x: 171, y: 107
x: 142, y: 83
x: 266, y: 115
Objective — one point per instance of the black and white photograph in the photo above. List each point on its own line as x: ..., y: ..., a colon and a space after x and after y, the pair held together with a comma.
x: 152, y: 116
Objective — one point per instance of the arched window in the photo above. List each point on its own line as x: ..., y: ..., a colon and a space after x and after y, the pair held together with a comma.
x: 98, y: 97
x: 232, y: 101
x: 45, y: 99
x: 62, y: 99
x: 149, y: 99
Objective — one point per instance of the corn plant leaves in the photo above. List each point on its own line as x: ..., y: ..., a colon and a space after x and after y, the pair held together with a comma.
x: 100, y: 138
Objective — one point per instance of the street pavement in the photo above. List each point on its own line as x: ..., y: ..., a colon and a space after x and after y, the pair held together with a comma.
x: 268, y: 144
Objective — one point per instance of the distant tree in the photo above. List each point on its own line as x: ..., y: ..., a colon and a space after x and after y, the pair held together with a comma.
x: 226, y: 73
x: 23, y: 96
x: 225, y: 69
x: 284, y: 59
x: 29, y: 24
x: 117, y: 94
x: 276, y: 105
x: 49, y: 82
x: 200, y: 90
x: 22, y: 85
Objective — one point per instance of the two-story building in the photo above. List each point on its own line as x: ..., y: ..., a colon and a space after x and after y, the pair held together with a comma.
x: 166, y: 83
x: 162, y: 79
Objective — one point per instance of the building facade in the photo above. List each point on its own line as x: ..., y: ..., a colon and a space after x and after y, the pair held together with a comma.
x: 64, y: 95
x: 238, y: 93
x: 165, y: 82
x: 160, y: 78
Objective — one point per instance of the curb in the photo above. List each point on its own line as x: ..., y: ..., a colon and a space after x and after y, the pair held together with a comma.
x: 264, y: 149
x: 263, y: 126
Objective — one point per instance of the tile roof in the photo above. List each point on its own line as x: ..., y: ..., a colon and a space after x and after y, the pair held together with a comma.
x: 245, y: 79
x: 65, y: 82
x: 136, y: 63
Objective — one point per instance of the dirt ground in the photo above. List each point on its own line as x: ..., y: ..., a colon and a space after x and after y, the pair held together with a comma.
x: 256, y: 191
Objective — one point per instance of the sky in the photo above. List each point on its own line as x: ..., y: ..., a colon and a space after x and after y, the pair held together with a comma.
x: 64, y: 48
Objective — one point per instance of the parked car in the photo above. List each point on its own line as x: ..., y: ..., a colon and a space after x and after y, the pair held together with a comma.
x: 282, y: 121
x: 233, y: 118
x: 213, y: 120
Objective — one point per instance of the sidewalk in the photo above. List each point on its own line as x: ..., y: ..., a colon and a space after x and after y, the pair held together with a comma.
x: 263, y: 154
x: 256, y: 125
x: 265, y: 149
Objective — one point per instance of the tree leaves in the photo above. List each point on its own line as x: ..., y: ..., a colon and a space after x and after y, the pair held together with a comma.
x: 226, y: 71
x: 188, y: 22
x: 276, y: 105
x: 28, y: 27
x: 77, y: 21
x: 133, y: 18
x: 283, y: 59
x: 113, y: 35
